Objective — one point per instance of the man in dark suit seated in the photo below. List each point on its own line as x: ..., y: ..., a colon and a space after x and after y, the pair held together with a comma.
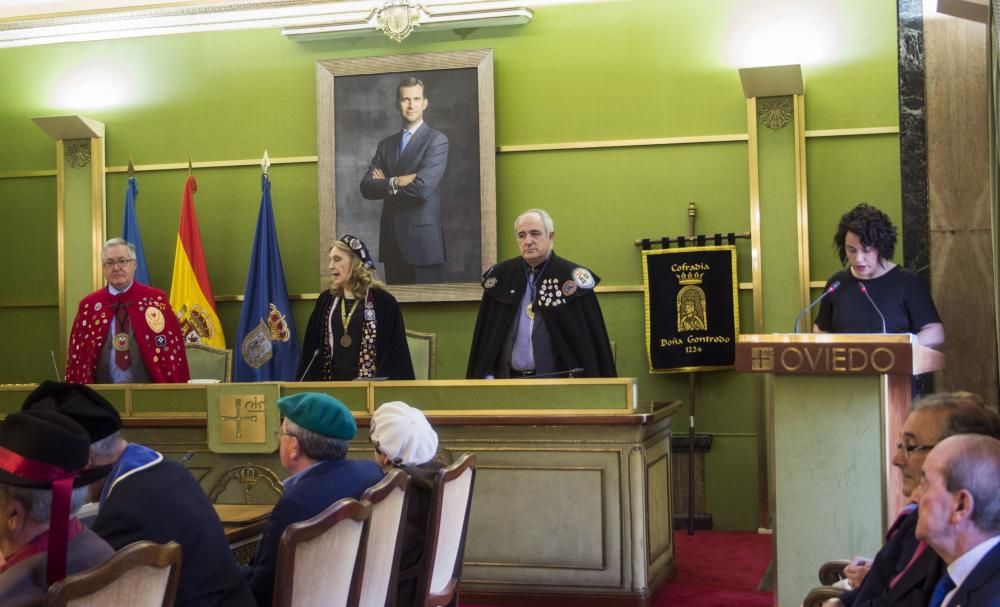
x: 905, y: 570
x: 406, y: 174
x: 960, y: 519
x: 43, y: 482
x: 313, y: 448
x: 149, y: 497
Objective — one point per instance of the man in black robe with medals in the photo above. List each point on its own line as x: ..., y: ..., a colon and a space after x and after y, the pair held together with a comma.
x: 539, y: 316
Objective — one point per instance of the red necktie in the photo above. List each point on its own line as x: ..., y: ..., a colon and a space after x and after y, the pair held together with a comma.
x: 122, y: 359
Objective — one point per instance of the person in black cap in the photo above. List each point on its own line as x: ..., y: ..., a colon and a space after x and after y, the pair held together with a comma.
x: 43, y: 482
x: 148, y: 497
x: 356, y: 329
x: 314, y: 438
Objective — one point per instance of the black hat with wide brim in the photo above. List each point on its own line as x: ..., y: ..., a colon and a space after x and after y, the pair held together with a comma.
x: 40, y: 447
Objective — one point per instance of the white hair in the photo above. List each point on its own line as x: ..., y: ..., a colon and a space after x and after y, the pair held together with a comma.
x: 119, y: 242
x: 546, y: 220
x: 37, y: 503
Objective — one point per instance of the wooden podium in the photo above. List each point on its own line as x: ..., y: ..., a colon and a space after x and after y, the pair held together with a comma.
x: 836, y: 404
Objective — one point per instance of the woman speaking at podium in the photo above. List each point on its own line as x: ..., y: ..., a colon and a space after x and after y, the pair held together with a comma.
x: 874, y: 294
x: 356, y: 330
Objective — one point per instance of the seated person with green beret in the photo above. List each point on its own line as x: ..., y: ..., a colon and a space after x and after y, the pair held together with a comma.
x: 313, y: 448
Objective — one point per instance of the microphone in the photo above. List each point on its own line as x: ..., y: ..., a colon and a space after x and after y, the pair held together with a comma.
x: 864, y: 290
x: 567, y: 372
x: 833, y: 287
x: 55, y: 366
x: 309, y: 366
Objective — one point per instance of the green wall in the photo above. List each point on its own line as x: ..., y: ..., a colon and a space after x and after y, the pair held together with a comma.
x: 620, y: 70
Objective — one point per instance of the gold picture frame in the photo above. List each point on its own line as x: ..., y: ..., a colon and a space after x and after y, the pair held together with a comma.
x: 358, y: 96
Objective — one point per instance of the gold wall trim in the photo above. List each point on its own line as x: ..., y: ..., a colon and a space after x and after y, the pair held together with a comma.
x: 98, y: 210
x: 61, y: 248
x: 621, y: 143
x: 801, y: 198
x: 21, y: 174
x: 872, y: 130
x: 744, y: 286
x: 754, y: 187
x: 28, y: 304
x: 212, y: 164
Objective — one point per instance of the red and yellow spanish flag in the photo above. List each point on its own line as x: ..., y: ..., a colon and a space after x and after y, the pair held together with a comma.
x: 190, y: 289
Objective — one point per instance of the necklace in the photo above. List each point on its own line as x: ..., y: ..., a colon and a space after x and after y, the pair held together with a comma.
x: 345, y: 320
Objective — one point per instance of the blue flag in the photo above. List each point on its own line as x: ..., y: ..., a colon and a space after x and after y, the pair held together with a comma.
x: 130, y: 232
x: 267, y: 349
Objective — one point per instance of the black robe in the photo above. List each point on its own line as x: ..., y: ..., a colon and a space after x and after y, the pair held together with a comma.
x: 164, y: 503
x: 392, y: 354
x: 565, y: 301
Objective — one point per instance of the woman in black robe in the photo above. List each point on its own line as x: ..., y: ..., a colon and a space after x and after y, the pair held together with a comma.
x: 356, y: 329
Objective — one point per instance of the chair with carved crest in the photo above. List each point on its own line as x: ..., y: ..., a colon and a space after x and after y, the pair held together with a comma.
x: 259, y: 484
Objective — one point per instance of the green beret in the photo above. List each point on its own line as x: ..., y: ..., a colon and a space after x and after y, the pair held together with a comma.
x: 321, y: 413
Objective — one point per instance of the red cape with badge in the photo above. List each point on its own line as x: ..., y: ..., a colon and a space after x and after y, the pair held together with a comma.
x: 565, y: 300
x: 154, y: 328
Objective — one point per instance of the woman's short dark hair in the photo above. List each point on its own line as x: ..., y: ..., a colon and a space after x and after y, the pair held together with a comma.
x: 872, y: 226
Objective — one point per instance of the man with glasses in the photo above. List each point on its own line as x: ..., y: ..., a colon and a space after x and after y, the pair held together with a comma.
x: 312, y: 447
x: 905, y: 571
x: 125, y: 332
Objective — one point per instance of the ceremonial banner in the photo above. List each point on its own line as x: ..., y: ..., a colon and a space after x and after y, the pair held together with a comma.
x: 692, y: 312
x: 266, y: 347
x: 190, y: 289
x: 130, y: 232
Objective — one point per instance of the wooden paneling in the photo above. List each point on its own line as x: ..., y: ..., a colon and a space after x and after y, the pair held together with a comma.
x: 959, y: 194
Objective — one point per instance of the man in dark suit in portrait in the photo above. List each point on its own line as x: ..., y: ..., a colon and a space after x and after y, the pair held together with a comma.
x: 960, y: 519
x: 406, y: 175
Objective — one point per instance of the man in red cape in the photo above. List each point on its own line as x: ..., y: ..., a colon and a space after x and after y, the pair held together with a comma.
x: 125, y: 332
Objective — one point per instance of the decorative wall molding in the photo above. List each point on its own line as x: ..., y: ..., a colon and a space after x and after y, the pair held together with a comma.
x: 775, y: 113
x: 78, y: 154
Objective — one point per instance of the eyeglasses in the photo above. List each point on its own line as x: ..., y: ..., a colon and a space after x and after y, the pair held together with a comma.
x: 279, y: 433
x: 110, y: 263
x: 909, y: 450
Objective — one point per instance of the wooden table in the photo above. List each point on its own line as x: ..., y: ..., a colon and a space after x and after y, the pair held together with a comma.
x: 243, y: 524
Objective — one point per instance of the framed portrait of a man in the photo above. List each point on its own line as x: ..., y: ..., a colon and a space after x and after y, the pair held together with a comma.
x: 407, y: 164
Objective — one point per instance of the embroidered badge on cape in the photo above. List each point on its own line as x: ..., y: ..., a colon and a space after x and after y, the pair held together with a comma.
x: 154, y: 318
x: 583, y: 278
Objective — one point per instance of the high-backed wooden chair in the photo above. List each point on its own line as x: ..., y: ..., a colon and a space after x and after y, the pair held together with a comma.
x: 447, y: 525
x: 143, y: 574
x: 388, y: 501
x: 320, y: 560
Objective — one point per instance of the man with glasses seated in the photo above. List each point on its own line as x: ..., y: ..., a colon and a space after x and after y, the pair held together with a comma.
x: 905, y: 570
x: 312, y: 447
x: 125, y: 332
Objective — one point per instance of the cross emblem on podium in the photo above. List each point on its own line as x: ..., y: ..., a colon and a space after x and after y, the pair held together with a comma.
x: 762, y: 359
x: 243, y: 413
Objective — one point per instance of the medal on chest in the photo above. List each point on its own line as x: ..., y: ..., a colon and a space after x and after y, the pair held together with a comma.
x: 121, y: 342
